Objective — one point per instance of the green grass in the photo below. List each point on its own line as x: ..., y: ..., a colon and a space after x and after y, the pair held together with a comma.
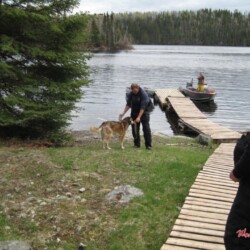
x: 164, y: 174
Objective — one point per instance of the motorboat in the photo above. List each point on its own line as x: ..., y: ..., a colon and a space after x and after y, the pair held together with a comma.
x: 206, y: 95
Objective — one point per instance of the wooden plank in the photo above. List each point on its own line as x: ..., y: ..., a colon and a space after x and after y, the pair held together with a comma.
x: 223, y: 163
x: 187, y: 114
x: 225, y: 182
x: 226, y: 135
x: 194, y: 218
x: 209, y: 123
x: 215, y: 189
x: 215, y: 185
x: 222, y: 171
x: 221, y: 160
x: 217, y: 177
x: 169, y: 93
x: 194, y: 122
x: 225, y: 150
x: 226, y: 153
x: 195, y: 230
x: 219, y: 166
x: 175, y: 100
x: 212, y: 192
x: 214, y: 175
x: 227, y: 166
x: 214, y: 182
x: 195, y: 244
x: 209, y: 204
x: 206, y: 209
x: 204, y: 214
x: 217, y: 173
x: 198, y: 237
x: 218, y: 169
x: 212, y: 203
x: 200, y: 225
x: 218, y: 156
x: 211, y: 197
x: 172, y: 247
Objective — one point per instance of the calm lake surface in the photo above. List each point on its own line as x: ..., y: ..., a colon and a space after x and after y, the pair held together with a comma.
x: 227, y: 70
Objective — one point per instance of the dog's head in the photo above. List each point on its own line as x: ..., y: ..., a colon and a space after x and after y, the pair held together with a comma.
x: 128, y: 120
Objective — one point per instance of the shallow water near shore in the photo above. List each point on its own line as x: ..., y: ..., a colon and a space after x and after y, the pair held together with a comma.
x: 226, y: 70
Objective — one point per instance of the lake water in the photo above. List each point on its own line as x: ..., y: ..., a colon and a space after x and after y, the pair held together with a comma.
x: 227, y: 70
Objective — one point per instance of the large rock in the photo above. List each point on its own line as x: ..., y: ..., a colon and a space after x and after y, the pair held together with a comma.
x: 14, y: 245
x: 204, y: 139
x: 123, y: 194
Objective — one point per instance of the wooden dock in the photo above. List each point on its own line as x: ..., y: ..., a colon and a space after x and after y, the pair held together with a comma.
x: 201, y: 223
x: 192, y: 118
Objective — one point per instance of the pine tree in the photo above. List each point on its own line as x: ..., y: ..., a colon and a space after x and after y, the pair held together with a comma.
x: 41, y: 70
x: 95, y: 35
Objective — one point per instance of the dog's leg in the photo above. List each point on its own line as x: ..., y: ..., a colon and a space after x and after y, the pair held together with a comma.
x: 108, y: 139
x: 121, y: 138
x: 103, y: 144
x: 104, y: 141
x: 106, y: 135
x: 108, y: 145
x: 109, y: 136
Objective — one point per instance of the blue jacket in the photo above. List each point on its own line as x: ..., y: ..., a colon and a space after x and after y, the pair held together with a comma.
x: 138, y: 101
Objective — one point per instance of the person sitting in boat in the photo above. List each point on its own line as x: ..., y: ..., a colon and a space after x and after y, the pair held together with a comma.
x: 201, y: 84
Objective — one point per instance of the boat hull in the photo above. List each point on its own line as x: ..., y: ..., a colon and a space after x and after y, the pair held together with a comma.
x: 194, y: 95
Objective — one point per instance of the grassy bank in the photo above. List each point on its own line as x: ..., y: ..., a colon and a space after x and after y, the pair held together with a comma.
x: 41, y: 201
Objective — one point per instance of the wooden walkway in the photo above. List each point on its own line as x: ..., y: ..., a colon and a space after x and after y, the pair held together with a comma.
x: 191, y: 117
x: 201, y: 223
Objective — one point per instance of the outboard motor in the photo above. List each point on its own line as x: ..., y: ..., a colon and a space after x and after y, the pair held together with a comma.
x: 189, y: 84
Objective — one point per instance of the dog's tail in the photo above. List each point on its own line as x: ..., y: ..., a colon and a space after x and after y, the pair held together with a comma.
x: 93, y: 129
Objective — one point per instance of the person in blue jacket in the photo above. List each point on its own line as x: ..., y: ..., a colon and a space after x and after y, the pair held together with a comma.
x: 139, y: 102
x: 237, y: 232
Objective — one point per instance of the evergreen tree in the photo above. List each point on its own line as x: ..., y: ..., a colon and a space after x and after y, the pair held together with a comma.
x: 95, y: 36
x: 41, y: 72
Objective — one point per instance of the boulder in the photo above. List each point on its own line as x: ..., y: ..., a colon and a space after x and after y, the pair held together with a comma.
x: 123, y: 194
x: 14, y: 245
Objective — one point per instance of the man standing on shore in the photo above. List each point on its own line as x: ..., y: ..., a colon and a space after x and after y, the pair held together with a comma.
x: 139, y: 103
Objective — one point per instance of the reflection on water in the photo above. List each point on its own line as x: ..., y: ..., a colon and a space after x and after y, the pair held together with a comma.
x: 206, y: 107
x: 226, y: 70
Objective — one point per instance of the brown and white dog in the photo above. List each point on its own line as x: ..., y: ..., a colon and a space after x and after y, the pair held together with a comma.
x: 109, y: 128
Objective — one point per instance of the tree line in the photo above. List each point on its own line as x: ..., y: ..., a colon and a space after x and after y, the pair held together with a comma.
x: 202, y: 27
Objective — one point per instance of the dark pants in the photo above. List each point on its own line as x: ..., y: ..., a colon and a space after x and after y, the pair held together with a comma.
x: 146, y: 130
x: 239, y: 220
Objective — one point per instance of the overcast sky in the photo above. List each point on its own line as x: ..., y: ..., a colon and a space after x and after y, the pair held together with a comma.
x: 101, y: 6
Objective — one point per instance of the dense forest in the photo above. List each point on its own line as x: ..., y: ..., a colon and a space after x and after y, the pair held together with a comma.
x: 203, y: 27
